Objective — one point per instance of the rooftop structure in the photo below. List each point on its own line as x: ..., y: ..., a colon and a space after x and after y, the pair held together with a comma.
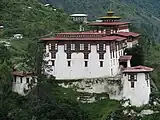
x: 78, y: 15
x: 110, y: 17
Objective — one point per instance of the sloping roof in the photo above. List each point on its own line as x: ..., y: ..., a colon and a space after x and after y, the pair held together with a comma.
x: 106, y: 38
x: 126, y: 57
x: 108, y: 23
x: 127, y: 34
x: 81, y: 33
x: 22, y: 74
x: 137, y: 69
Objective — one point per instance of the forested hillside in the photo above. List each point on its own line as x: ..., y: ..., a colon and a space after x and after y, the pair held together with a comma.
x: 143, y: 14
x: 31, y: 18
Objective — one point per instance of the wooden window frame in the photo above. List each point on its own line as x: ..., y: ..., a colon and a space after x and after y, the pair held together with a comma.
x: 81, y: 46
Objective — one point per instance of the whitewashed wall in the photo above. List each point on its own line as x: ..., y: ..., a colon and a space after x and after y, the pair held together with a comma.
x: 123, y: 30
x: 139, y: 95
x: 19, y: 87
x: 78, y: 69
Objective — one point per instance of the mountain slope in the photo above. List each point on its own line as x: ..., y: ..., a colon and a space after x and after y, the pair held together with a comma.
x: 31, y: 18
x: 144, y: 14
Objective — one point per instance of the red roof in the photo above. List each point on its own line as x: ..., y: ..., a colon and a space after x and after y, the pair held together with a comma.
x: 108, y: 23
x: 106, y: 38
x: 22, y: 74
x: 138, y: 69
x: 126, y: 57
x: 81, y: 33
x: 127, y: 34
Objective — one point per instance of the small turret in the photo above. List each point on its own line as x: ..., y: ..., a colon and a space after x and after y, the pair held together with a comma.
x: 110, y: 17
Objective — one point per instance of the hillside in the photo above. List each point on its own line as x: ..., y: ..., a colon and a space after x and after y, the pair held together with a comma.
x: 143, y: 14
x: 31, y: 18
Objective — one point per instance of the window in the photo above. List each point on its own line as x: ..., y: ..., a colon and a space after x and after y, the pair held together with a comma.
x: 50, y: 46
x: 86, y: 63
x: 86, y: 55
x: 116, y: 54
x: 81, y: 46
x: 72, y: 46
x: 65, y: 46
x: 101, y: 55
x: 89, y: 46
x: 53, y: 62
x: 56, y: 46
x: 69, y: 63
x: 132, y: 77
x: 68, y: 55
x: 27, y: 80
x: 111, y: 71
x: 146, y: 76
x: 132, y: 84
x: 53, y: 55
x: 104, y: 46
x: 21, y: 80
x: 97, y: 46
x: 113, y: 54
x: 101, y: 63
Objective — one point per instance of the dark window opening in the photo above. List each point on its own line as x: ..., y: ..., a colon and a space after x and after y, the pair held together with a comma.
x: 113, y: 54
x: 69, y: 63
x: 146, y: 76
x: 85, y: 55
x: 86, y: 63
x: 68, y: 55
x: 101, y: 56
x: 53, y: 55
x: 132, y: 84
x: 53, y: 62
x: 21, y: 79
x: 27, y: 80
x: 101, y: 63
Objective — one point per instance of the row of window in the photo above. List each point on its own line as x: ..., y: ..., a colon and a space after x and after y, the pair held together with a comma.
x: 133, y: 77
x: 21, y: 80
x: 114, y: 54
x: 85, y: 63
x: 86, y: 56
x: 81, y: 47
